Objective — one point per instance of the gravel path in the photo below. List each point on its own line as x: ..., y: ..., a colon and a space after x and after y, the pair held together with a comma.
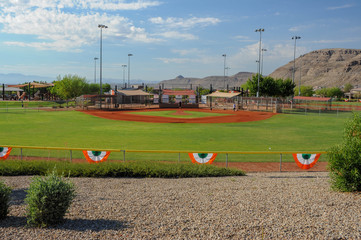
x: 258, y: 206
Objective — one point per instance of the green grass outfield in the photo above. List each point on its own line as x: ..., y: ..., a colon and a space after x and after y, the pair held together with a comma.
x: 283, y: 132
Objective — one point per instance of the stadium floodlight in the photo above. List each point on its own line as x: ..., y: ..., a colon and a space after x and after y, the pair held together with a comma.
x: 224, y: 71
x: 129, y: 55
x: 260, y: 30
x: 294, y: 65
x: 263, y: 50
x: 95, y: 69
x: 101, y: 26
x: 124, y: 66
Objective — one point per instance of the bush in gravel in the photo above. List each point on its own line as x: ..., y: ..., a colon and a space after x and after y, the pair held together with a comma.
x: 345, y: 158
x: 5, y: 193
x: 48, y: 200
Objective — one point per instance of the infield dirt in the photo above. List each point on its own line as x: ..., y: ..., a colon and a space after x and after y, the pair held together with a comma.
x: 229, y: 117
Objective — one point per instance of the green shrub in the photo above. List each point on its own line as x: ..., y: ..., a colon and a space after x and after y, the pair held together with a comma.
x: 48, y: 200
x: 116, y: 169
x: 5, y: 193
x: 345, y: 158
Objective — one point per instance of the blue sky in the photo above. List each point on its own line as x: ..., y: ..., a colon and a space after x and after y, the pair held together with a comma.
x: 168, y: 37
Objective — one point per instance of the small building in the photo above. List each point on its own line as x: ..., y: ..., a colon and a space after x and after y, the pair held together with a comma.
x: 178, y: 98
x: 223, y: 100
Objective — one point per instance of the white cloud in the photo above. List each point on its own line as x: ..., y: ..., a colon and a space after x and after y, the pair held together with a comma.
x: 184, y: 52
x: 184, y: 23
x: 177, y: 35
x: 340, y: 7
x: 14, y: 5
x: 301, y: 28
x: 55, y: 28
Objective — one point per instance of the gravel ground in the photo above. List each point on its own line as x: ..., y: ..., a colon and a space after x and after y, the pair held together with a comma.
x: 258, y: 206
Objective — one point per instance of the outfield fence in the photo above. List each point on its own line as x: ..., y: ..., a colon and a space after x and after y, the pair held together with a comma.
x: 75, y: 155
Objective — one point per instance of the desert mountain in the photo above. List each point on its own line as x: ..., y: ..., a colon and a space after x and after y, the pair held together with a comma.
x: 325, y: 68
x: 218, y: 82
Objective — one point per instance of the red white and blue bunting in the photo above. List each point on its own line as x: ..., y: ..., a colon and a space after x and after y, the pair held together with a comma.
x: 202, y: 158
x: 4, y: 152
x: 306, y: 161
x: 96, y: 156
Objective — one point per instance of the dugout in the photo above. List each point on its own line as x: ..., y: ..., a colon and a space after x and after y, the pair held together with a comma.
x: 178, y: 98
x: 223, y: 100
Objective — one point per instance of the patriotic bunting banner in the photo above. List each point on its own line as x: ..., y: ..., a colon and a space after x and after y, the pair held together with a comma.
x: 306, y: 161
x: 96, y: 156
x: 202, y: 158
x: 4, y: 152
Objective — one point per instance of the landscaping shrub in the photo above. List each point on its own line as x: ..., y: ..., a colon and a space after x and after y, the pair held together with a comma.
x: 116, y: 169
x: 5, y: 193
x: 48, y: 200
x: 345, y: 158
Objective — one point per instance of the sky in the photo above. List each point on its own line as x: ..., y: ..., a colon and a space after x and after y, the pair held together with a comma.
x: 168, y: 38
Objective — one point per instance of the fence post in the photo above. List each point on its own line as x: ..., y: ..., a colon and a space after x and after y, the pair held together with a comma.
x: 226, y: 160
x: 21, y: 154
x: 280, y: 162
x: 123, y: 155
x: 178, y: 157
x: 71, y: 156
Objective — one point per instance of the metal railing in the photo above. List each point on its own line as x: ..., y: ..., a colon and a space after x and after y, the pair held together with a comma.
x: 124, y: 153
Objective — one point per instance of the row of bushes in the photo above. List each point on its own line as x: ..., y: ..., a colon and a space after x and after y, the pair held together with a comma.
x: 48, y: 199
x: 136, y: 169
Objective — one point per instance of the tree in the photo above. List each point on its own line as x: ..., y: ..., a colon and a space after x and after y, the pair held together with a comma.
x: 334, y: 92
x: 306, y: 91
x: 345, y: 159
x: 203, y: 91
x: 330, y: 92
x: 285, y: 87
x: 270, y: 87
x: 94, y: 88
x: 70, y: 86
x: 347, y: 88
x: 106, y: 87
x: 322, y: 92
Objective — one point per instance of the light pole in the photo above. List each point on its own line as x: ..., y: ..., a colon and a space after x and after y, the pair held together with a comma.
x: 124, y: 66
x: 224, y: 71
x: 95, y: 69
x: 294, y: 59
x: 101, y: 26
x: 260, y: 30
x: 263, y: 50
x: 129, y: 55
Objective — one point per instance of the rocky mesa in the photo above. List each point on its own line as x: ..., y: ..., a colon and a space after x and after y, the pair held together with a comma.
x: 324, y: 68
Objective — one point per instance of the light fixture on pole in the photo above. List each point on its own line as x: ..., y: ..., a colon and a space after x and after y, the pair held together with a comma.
x: 124, y: 66
x: 129, y: 55
x: 263, y: 50
x: 294, y: 59
x: 95, y: 69
x: 260, y: 30
x: 224, y: 71
x: 101, y: 26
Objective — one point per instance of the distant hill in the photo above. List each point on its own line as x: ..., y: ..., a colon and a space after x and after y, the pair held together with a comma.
x: 16, y: 78
x: 325, y: 68
x: 218, y: 82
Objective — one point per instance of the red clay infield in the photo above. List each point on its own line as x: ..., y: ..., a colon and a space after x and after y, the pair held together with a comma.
x: 238, y: 116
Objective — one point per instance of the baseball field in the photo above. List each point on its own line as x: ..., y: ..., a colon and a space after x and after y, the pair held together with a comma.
x: 184, y: 131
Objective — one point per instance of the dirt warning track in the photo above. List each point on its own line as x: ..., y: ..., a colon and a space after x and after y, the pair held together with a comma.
x: 231, y: 117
